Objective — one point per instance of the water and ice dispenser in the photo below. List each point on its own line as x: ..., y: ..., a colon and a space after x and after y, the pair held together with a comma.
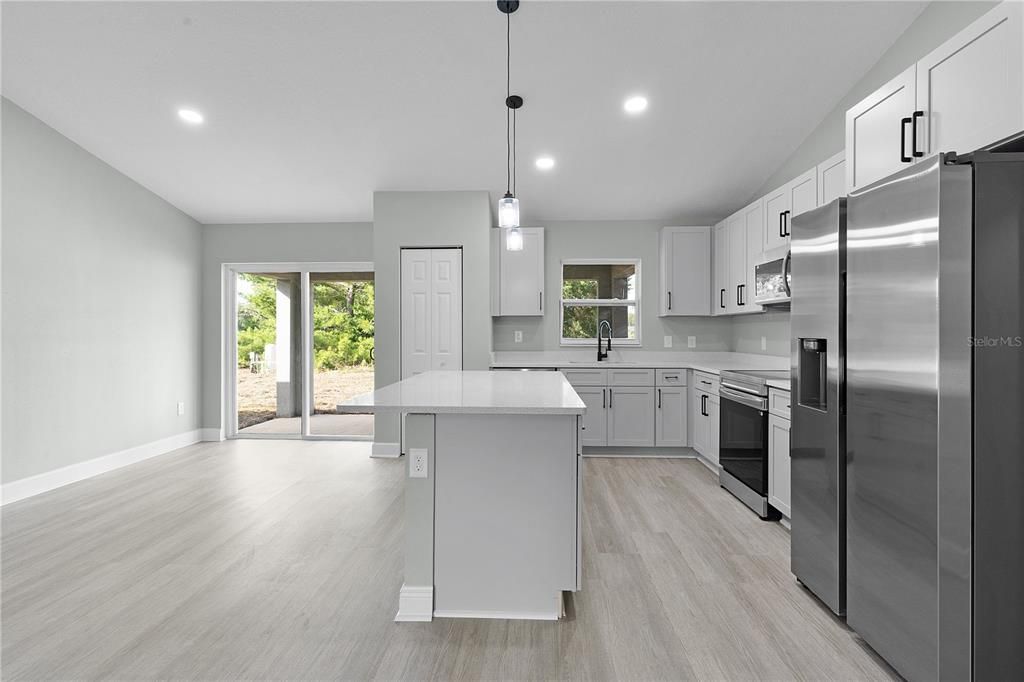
x: 812, y: 372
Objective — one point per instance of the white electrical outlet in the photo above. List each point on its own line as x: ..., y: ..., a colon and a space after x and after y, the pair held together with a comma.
x: 764, y: 343
x: 417, y: 463
x: 181, y: 407
x: 517, y: 335
x: 668, y: 342
x: 691, y: 341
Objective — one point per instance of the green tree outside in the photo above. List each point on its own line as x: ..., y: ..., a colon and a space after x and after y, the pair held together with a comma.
x: 342, y: 321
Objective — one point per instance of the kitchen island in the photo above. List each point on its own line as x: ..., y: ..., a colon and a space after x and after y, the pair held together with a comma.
x: 493, y: 495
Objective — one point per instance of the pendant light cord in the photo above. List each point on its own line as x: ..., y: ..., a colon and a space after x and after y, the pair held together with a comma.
x: 508, y: 111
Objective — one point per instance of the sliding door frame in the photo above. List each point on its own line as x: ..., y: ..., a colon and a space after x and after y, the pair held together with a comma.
x: 229, y: 338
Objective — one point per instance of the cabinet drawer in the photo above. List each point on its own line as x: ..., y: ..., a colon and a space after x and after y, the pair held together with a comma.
x: 631, y: 377
x: 706, y: 382
x: 586, y: 377
x: 671, y: 377
x: 778, y: 402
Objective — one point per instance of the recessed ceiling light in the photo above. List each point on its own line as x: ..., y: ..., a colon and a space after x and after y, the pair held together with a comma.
x: 635, y: 104
x: 545, y: 162
x: 190, y: 116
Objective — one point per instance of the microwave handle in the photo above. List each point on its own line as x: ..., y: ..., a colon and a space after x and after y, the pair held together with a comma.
x: 785, y: 273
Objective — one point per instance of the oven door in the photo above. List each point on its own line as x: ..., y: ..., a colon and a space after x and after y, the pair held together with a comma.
x: 743, y: 438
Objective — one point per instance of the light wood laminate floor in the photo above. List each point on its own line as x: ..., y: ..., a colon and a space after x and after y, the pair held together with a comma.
x: 264, y: 559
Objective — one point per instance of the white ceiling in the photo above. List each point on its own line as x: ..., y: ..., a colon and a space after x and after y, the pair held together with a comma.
x: 311, y: 106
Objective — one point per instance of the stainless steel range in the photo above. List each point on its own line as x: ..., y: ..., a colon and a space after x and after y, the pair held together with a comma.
x: 743, y: 437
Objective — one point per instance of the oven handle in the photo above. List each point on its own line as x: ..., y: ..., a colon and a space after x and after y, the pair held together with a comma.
x: 756, y: 402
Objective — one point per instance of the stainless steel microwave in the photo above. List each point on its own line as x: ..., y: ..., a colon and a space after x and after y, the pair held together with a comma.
x: 771, y: 282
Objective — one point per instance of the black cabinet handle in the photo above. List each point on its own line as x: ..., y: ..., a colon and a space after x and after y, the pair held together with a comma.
x: 540, y: 300
x: 903, y: 141
x: 782, y: 230
x: 703, y: 406
x: 721, y: 299
x: 785, y: 224
x: 659, y: 398
x: 670, y: 300
x: 609, y: 398
x: 604, y: 398
x: 739, y: 294
x: 913, y: 134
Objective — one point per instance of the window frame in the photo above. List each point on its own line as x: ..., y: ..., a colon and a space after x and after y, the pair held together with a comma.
x: 598, y: 302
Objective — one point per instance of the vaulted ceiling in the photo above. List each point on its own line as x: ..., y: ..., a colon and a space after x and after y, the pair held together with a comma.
x: 311, y: 106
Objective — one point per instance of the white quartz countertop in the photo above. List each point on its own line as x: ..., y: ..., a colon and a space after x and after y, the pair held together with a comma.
x: 711, y: 362
x: 472, y: 392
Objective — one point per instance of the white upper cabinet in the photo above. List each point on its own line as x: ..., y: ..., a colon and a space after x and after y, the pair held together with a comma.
x: 796, y: 196
x: 878, y: 139
x: 518, y: 276
x: 753, y: 216
x: 720, y: 303
x: 832, y: 179
x: 970, y: 91
x: 966, y: 94
x: 737, y: 228
x: 685, y: 271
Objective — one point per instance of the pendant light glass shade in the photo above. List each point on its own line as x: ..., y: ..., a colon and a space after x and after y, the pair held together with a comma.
x: 514, y: 239
x: 508, y: 211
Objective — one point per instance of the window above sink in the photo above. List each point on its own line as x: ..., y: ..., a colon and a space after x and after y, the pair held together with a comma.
x: 596, y: 290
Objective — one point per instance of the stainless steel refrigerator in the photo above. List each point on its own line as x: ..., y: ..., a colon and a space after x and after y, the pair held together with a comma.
x: 930, y: 380
x: 817, y: 435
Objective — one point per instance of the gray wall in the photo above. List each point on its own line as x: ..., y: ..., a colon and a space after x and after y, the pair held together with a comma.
x: 404, y: 219
x: 100, y: 306
x: 937, y: 23
x: 263, y: 243
x: 609, y: 239
x: 747, y: 331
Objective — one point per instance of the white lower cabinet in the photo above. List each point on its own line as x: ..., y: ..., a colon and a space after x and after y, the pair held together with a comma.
x: 635, y: 407
x: 595, y: 421
x: 778, y: 464
x: 704, y: 413
x: 670, y: 416
x: 631, y: 416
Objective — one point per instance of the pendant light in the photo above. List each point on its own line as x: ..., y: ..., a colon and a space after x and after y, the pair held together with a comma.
x: 508, y: 205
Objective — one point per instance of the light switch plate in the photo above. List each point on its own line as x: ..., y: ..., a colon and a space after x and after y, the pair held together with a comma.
x: 517, y: 335
x: 668, y: 342
x: 691, y: 341
x: 764, y: 343
x: 181, y: 408
x: 417, y: 462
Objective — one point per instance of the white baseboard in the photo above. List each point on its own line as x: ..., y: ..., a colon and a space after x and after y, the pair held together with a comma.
x: 786, y: 523
x: 713, y: 468
x: 211, y: 435
x: 386, y: 450
x: 50, y: 480
x: 415, y: 604
x: 501, y: 615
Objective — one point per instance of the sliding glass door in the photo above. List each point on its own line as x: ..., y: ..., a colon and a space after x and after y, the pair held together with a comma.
x: 299, y: 341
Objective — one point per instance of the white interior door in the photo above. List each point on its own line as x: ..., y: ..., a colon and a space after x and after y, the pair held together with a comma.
x: 416, y: 317
x: 431, y: 310
x: 446, y: 309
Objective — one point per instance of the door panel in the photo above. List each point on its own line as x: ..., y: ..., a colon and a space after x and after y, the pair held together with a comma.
x: 892, y: 419
x: 737, y: 262
x: 446, y: 327
x: 631, y: 417
x: 971, y: 89
x: 873, y: 131
x: 779, y: 466
x: 670, y: 417
x: 416, y: 317
x: 595, y: 421
x: 775, y: 205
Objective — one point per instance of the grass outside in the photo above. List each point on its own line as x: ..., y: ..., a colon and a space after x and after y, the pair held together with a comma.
x: 257, y: 393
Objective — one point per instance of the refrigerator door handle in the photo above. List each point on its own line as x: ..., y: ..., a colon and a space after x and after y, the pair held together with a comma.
x: 785, y: 272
